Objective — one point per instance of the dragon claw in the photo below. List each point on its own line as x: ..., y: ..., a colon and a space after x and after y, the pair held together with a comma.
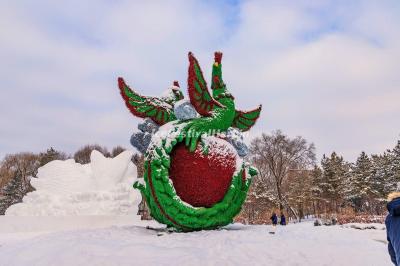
x: 193, y: 143
x: 139, y: 186
x: 204, y: 146
x: 194, y: 135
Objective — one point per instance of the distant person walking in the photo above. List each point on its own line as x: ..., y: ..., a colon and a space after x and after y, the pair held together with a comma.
x: 283, y: 219
x: 274, y: 219
x: 393, y: 225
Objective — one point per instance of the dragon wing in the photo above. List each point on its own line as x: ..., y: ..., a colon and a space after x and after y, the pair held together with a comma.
x: 141, y: 106
x: 245, y: 120
x: 199, y: 95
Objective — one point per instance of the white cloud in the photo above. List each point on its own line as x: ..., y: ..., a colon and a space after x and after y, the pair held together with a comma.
x: 325, y: 71
x: 339, y: 88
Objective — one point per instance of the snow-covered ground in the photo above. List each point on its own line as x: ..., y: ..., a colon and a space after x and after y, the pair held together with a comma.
x: 86, y: 215
x: 102, y: 240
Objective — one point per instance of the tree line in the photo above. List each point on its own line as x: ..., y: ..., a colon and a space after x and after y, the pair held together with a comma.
x: 292, y: 182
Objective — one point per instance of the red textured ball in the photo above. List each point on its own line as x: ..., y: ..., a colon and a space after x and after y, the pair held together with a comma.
x: 203, y: 180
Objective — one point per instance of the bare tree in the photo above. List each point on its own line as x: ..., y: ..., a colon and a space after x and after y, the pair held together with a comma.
x: 299, y: 191
x: 26, y: 163
x: 116, y: 151
x: 82, y: 156
x: 275, y: 155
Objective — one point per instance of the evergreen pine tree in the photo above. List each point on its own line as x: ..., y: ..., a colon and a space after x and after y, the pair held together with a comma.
x: 395, y: 164
x: 382, y: 181
x: 316, y: 188
x: 362, y: 185
x: 13, y: 192
x: 335, y: 171
x: 51, y: 155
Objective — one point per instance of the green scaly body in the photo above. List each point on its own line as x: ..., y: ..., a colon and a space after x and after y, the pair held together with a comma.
x: 166, y: 207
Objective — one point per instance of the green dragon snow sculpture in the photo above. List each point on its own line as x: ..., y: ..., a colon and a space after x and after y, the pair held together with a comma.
x: 217, y: 113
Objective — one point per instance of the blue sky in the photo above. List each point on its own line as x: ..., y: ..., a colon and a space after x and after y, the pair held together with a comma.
x: 326, y: 70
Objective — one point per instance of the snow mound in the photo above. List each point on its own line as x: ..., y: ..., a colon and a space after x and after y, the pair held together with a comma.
x: 365, y: 226
x: 110, y: 171
x: 102, y: 187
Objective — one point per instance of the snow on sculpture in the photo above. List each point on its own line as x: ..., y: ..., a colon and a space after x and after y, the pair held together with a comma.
x: 63, y: 188
x: 194, y: 175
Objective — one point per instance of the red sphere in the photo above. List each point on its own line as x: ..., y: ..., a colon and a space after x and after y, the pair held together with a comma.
x: 203, y: 180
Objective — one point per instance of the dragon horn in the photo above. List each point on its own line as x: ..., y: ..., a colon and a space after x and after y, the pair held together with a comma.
x: 217, y: 57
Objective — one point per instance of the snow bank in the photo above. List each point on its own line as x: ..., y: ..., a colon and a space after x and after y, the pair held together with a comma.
x: 65, y: 188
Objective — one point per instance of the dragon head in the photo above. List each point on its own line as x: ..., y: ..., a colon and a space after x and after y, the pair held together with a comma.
x: 177, y: 91
x: 218, y: 86
x: 172, y: 94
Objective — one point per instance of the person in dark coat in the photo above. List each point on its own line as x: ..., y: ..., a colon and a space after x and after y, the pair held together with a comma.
x: 393, y: 226
x: 283, y: 219
x: 274, y: 219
